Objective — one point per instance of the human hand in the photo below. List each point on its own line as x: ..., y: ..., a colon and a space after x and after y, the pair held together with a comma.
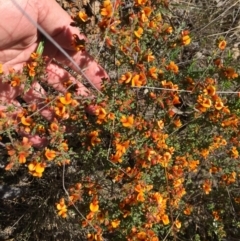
x: 21, y: 38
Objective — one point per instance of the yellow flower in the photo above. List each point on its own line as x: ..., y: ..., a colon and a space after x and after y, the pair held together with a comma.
x: 127, y: 121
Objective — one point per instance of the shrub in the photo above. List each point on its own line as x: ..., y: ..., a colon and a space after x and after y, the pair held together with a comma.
x: 159, y: 157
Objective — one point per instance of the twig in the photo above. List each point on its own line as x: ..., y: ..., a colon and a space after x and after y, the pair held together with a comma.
x: 186, y: 91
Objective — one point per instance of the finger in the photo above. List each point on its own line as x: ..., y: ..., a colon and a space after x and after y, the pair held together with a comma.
x: 92, y: 70
x: 57, y: 77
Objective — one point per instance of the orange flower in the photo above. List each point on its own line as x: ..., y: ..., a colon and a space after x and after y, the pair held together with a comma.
x: 66, y: 100
x: 152, y: 24
x: 122, y: 147
x: 165, y: 219
x: 64, y: 146
x: 116, y: 158
x: 107, y: 9
x: 234, y: 152
x: 140, y: 197
x: 204, y: 102
x: 62, y: 208
x: 230, y: 73
x: 160, y: 124
x: 231, y: 121
x: 1, y: 70
x: 26, y: 121
x: 54, y: 127
x: 140, y: 2
x: 186, y: 40
x: 34, y: 55
x: 216, y: 215
x: 177, y: 122
x: 36, y: 168
x: 115, y: 223
x: 147, y: 11
x: 50, y: 154
x: 61, y: 111
x: 210, y: 90
x: 172, y: 67
x: 149, y: 56
x: 15, y: 81
x: 218, y: 104
x: 138, y: 80
x: 178, y: 224
x: 22, y: 157
x: 94, y: 140
x: 125, y: 78
x: 222, y: 44
x: 169, y: 85
x: 193, y: 165
x: 94, y: 207
x: 152, y: 72
x: 207, y: 186
x: 83, y: 16
x: 127, y: 121
x: 188, y: 210
x: 142, y: 236
x: 101, y: 114
x: 111, y: 116
x: 31, y: 69
x: 169, y: 30
x: 138, y: 33
x: 205, y: 153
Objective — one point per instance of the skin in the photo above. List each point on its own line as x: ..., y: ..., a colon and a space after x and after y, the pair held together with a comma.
x: 19, y: 38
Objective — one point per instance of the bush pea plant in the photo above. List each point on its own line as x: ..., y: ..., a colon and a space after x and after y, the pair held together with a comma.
x: 159, y: 157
